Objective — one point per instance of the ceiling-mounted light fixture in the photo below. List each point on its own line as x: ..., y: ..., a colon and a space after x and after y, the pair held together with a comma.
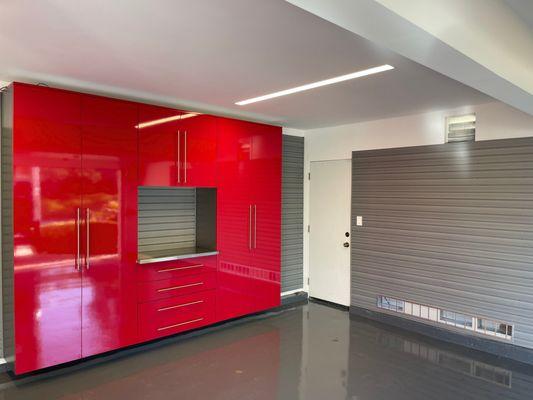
x: 314, y: 85
x: 165, y: 120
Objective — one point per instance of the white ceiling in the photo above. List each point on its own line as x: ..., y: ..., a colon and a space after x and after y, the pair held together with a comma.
x: 208, y: 54
x: 523, y: 8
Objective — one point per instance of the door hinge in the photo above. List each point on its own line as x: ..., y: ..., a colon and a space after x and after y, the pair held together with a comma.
x: 308, y: 228
x: 309, y: 176
x: 307, y: 281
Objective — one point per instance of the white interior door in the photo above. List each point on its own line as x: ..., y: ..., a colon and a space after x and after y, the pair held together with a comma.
x: 329, y: 258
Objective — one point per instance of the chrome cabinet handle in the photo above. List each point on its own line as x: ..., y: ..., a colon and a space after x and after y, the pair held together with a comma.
x: 250, y: 227
x: 179, y: 287
x: 255, y: 226
x: 180, y: 268
x: 180, y: 324
x: 185, y: 157
x: 78, y: 236
x: 179, y: 157
x: 179, y: 305
x: 88, y: 255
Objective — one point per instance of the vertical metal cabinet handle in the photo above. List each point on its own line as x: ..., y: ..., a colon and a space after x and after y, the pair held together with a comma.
x: 179, y: 156
x: 78, y: 235
x: 88, y: 255
x: 250, y: 227
x: 185, y: 156
x: 255, y: 226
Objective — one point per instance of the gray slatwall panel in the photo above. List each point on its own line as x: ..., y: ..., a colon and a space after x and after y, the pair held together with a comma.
x: 167, y: 219
x: 448, y: 225
x: 292, y: 213
x: 6, y: 188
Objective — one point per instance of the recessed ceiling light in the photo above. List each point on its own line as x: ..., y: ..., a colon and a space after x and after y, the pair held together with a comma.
x: 314, y: 85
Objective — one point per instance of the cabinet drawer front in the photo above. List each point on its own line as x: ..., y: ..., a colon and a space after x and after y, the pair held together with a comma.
x: 166, y: 288
x: 175, y: 269
x: 176, y: 314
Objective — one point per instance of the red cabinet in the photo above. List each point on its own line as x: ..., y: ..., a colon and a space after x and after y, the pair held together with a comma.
x: 77, y: 163
x: 176, y: 314
x: 75, y: 200
x: 156, y: 290
x: 46, y: 198
x: 176, y: 296
x: 158, y: 145
x: 249, y: 218
x: 109, y: 234
x: 176, y: 148
x: 198, y: 146
x: 266, y: 196
x: 175, y: 269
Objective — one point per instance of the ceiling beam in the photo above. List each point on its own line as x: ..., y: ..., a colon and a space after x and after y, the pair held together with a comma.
x: 481, y: 43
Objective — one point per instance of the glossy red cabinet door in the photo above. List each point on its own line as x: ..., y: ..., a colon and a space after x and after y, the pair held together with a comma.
x: 158, y: 145
x: 249, y: 218
x: 109, y: 233
x: 47, y: 195
x: 234, y: 213
x: 266, y: 249
x: 198, y: 146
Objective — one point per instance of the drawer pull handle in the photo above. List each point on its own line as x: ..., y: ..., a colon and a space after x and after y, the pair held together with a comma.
x: 180, y: 305
x: 179, y: 287
x: 180, y: 324
x: 179, y: 268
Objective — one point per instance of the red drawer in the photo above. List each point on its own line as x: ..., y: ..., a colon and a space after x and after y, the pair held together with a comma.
x: 182, y: 285
x: 174, y: 269
x: 177, y: 314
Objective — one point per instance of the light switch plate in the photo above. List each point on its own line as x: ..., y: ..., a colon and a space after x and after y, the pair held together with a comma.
x: 359, y: 220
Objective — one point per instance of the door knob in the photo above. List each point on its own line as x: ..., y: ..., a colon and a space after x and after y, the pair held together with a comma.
x: 346, y: 244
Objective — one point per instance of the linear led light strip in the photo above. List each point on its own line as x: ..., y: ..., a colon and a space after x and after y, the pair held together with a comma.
x: 165, y: 120
x: 314, y: 85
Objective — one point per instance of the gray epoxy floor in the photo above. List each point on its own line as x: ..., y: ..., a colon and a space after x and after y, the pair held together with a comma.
x: 309, y: 352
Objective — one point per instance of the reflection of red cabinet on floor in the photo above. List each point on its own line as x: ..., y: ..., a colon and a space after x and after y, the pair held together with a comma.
x: 243, y: 368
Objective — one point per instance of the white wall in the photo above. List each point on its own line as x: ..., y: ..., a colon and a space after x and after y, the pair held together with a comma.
x: 493, y: 121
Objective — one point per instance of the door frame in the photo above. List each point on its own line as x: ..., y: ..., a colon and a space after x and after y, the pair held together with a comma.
x: 308, y: 222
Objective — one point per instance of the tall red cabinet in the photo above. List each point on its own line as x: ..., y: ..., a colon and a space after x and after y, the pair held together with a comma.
x: 47, y: 200
x: 109, y: 231
x: 249, y: 217
x: 74, y: 225
x: 80, y: 287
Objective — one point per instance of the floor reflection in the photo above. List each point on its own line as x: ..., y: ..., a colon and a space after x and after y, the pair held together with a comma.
x: 310, y: 352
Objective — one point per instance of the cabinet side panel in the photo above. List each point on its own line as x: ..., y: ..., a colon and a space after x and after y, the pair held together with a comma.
x: 6, y: 218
